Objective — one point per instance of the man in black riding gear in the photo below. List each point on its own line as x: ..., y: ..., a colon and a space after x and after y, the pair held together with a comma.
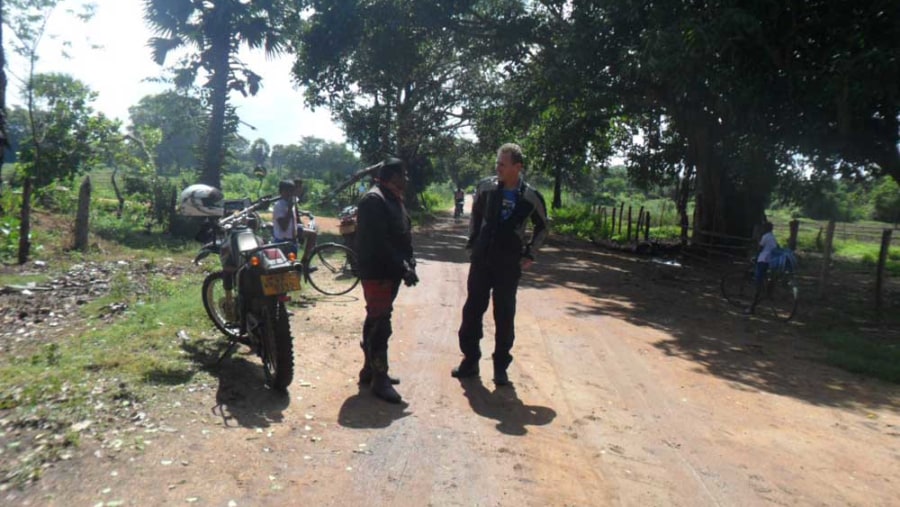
x: 385, y: 254
x: 499, y: 252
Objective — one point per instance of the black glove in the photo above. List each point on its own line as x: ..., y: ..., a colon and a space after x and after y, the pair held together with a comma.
x: 410, y: 277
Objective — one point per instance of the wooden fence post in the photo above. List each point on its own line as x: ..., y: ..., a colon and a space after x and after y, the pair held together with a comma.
x: 83, y: 215
x: 640, y: 224
x: 602, y: 220
x: 795, y: 228
x: 879, y: 271
x: 629, y: 225
x: 647, y: 227
x: 612, y: 229
x: 826, y: 259
x: 621, y: 215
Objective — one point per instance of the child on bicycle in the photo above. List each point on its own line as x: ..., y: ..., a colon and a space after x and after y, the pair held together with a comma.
x: 767, y: 245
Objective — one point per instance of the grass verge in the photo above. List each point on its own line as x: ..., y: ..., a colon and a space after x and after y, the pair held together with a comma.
x: 858, y: 354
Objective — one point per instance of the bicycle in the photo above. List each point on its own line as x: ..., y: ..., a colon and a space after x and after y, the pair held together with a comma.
x: 778, y: 296
x: 331, y: 267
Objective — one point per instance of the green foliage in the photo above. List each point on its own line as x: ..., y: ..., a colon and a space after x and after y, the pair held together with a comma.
x: 579, y: 221
x: 181, y: 120
x: 9, y: 238
x: 858, y: 354
x: 886, y: 201
x: 67, y: 136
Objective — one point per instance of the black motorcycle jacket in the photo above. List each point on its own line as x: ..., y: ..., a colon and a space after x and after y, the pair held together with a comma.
x: 493, y: 239
x: 383, y: 237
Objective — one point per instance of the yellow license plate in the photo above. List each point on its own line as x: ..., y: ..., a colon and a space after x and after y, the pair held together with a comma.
x: 288, y: 281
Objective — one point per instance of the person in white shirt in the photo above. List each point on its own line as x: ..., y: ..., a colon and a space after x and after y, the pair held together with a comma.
x: 284, y: 220
x: 767, y: 245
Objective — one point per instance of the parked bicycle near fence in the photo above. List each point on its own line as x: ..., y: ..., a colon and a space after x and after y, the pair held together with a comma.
x: 778, y: 294
x: 331, y: 267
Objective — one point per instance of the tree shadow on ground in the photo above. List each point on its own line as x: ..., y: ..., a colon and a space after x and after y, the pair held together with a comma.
x: 242, y: 398
x: 364, y: 410
x: 504, y: 406
x: 683, y: 300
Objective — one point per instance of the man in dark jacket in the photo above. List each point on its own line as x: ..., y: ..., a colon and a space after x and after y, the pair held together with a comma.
x: 503, y: 205
x: 385, y: 253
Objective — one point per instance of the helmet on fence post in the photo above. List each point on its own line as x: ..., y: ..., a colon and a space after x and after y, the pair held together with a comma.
x: 201, y: 201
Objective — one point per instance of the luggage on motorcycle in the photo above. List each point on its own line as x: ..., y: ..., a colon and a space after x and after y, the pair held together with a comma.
x: 201, y: 201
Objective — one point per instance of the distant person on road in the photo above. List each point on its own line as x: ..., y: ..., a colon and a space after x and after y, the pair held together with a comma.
x: 385, y: 252
x: 499, y: 252
x: 459, y: 198
x: 767, y: 245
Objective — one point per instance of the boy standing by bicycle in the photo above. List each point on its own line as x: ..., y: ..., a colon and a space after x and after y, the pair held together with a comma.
x: 284, y: 220
x: 767, y: 245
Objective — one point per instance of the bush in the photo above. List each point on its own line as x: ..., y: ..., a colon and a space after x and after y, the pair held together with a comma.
x: 886, y: 201
x: 579, y: 221
x: 9, y: 238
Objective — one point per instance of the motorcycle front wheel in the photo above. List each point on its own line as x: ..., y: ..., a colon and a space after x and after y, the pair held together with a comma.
x: 222, y: 311
x: 277, y: 346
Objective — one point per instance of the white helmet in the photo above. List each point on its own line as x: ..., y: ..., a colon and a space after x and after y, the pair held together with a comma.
x: 201, y: 201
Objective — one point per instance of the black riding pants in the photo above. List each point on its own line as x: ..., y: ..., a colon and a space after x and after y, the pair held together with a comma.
x: 377, y: 329
x: 490, y: 283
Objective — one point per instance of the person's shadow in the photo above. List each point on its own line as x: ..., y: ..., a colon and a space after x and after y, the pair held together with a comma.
x: 364, y: 410
x: 504, y: 405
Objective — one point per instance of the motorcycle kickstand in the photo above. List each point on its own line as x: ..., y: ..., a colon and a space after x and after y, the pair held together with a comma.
x: 228, y: 351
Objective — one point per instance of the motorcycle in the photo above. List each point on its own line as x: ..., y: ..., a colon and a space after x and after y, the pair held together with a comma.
x: 246, y: 299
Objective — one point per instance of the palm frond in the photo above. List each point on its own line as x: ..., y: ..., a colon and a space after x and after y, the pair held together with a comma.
x: 160, y: 47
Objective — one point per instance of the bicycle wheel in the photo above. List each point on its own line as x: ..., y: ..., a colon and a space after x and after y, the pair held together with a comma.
x: 780, y: 297
x: 738, y: 288
x: 215, y: 304
x: 332, y: 269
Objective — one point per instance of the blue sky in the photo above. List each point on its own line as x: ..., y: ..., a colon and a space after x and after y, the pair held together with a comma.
x: 117, y: 68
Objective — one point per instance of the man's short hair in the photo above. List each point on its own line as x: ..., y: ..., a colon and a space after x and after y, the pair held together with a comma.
x: 768, y: 227
x: 390, y: 167
x: 285, y: 186
x: 515, y: 153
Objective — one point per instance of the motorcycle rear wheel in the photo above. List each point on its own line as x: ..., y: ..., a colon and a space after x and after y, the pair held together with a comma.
x: 277, y: 346
x: 214, y: 302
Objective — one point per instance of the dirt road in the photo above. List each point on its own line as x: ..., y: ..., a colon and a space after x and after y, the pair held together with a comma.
x: 633, y: 385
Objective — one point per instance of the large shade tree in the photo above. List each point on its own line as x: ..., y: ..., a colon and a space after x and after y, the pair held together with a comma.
x: 213, y: 33
x: 398, y: 76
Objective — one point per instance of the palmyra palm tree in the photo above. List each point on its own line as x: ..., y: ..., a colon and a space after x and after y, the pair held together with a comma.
x: 215, y: 30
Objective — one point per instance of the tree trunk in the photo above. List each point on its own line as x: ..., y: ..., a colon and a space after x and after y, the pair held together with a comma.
x: 557, y: 188
x: 4, y: 137
x: 83, y: 216
x: 25, y: 222
x: 684, y: 195
x: 118, y: 193
x: 214, y: 156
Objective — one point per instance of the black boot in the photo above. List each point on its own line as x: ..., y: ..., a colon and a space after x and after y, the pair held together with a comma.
x: 365, y: 374
x: 381, y: 382
x: 500, y: 366
x: 467, y: 368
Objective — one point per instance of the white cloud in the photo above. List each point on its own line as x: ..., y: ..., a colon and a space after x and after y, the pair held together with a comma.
x: 110, y: 54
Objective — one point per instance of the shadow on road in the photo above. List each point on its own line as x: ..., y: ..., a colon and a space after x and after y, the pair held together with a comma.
x: 242, y: 398
x: 504, y: 406
x: 364, y: 410
x: 683, y: 300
